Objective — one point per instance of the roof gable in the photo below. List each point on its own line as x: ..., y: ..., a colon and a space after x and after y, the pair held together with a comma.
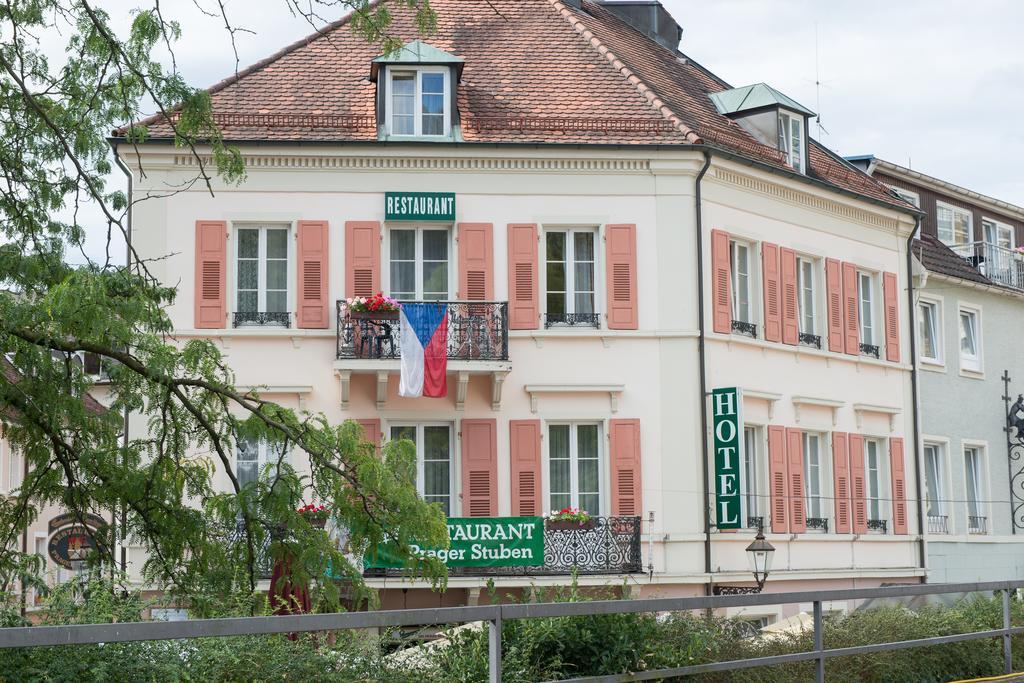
x: 756, y: 96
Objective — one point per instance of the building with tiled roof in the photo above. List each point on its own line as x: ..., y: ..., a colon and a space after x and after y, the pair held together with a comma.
x: 611, y: 246
x: 970, y: 311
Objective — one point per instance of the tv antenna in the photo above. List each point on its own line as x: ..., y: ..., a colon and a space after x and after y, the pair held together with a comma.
x: 818, y: 84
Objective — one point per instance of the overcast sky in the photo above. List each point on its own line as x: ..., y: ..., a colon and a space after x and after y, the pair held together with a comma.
x: 934, y: 84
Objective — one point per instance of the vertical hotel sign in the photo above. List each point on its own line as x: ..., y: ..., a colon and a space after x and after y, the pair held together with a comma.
x: 726, y: 407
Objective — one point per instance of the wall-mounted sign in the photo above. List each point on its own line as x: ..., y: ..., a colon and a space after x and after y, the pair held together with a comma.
x: 70, y: 544
x: 726, y: 409
x: 481, y: 542
x: 419, y: 206
x: 95, y: 521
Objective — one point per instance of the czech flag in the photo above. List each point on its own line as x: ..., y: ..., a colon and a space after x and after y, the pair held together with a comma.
x: 424, y: 346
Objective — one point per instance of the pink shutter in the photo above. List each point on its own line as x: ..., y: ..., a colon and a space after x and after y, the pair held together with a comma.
x: 313, y: 272
x: 772, y: 295
x: 371, y: 430
x: 476, y: 261
x: 858, y: 485
x: 211, y: 274
x: 627, y: 484
x: 362, y: 258
x: 795, y: 461
x: 524, y: 437
x: 834, y: 287
x: 851, y: 317
x: 890, y: 292
x: 480, y: 468
x: 777, y: 479
x: 899, y: 486
x: 841, y: 481
x: 721, y: 293
x: 620, y: 257
x: 523, y: 296
x: 790, y: 314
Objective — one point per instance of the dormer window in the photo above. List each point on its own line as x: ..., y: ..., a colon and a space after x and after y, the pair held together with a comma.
x: 791, y: 139
x: 418, y: 102
x: 416, y: 93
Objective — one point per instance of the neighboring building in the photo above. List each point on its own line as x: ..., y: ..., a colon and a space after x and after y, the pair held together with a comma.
x: 569, y: 149
x: 970, y: 313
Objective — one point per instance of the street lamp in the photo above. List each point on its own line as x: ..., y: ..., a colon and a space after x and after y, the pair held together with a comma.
x: 760, y: 553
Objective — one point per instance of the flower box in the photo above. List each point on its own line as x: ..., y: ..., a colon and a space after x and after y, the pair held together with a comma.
x: 373, y: 315
x: 570, y: 525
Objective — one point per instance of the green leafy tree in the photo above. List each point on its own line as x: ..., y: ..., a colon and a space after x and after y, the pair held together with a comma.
x: 55, y: 162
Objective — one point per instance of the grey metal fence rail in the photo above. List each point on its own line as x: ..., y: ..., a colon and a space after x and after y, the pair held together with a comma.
x: 494, y: 615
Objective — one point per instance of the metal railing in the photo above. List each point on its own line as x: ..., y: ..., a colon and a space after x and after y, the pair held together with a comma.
x: 878, y: 525
x: 817, y: 523
x: 606, y: 545
x: 977, y: 525
x: 261, y: 318
x: 808, y: 339
x: 938, y: 524
x: 999, y: 264
x: 869, y: 350
x: 743, y: 327
x: 572, y: 320
x: 496, y: 615
x: 477, y: 330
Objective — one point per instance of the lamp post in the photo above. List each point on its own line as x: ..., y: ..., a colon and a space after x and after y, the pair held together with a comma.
x: 759, y: 554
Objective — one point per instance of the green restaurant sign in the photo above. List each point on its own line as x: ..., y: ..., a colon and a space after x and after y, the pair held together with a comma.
x: 419, y: 206
x: 480, y: 542
x: 726, y: 407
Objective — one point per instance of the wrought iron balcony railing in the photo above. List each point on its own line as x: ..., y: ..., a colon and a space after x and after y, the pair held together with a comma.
x: 869, y: 350
x: 881, y: 525
x: 611, y: 545
x: 938, y: 524
x: 977, y: 525
x: 808, y: 339
x: 572, y: 320
x: 262, y: 318
x: 755, y: 522
x: 818, y: 523
x: 999, y: 264
x: 477, y: 330
x: 741, y: 327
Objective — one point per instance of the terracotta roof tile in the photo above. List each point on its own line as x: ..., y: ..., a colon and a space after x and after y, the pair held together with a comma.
x: 537, y: 72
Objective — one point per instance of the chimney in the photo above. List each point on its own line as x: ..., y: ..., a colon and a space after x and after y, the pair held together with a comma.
x: 649, y: 17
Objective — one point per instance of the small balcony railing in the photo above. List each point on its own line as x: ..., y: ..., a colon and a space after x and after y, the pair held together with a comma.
x: 611, y: 545
x: 572, y: 320
x: 743, y: 327
x: 819, y: 523
x: 879, y: 525
x: 755, y: 522
x: 261, y: 319
x: 869, y: 350
x: 808, y: 339
x: 938, y: 524
x: 999, y: 264
x: 977, y: 525
x: 477, y: 330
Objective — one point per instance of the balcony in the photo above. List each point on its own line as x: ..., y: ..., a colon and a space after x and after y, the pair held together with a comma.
x: 878, y: 525
x: 611, y: 546
x: 261, y: 319
x: 999, y: 264
x: 977, y: 525
x: 938, y: 524
x: 818, y: 523
x: 477, y: 343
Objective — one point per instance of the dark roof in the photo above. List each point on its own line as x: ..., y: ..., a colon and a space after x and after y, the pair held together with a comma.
x: 536, y: 71
x: 938, y: 258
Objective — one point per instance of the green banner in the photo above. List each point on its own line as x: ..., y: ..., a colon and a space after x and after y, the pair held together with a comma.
x: 480, y: 542
x: 419, y: 206
x: 726, y: 408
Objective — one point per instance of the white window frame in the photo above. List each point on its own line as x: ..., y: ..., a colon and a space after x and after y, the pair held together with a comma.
x: 418, y: 425
x: 941, y: 470
x: 418, y: 257
x: 261, y: 304
x: 823, y: 495
x: 937, y: 331
x: 906, y: 195
x: 602, y: 464
x: 863, y: 324
x: 752, y: 466
x: 802, y: 287
x: 971, y: 365
x: 980, y: 489
x: 997, y: 227
x: 943, y: 206
x: 418, y: 103
x: 796, y: 156
x: 265, y: 455
x: 880, y: 495
x: 734, y: 280
x: 570, y: 289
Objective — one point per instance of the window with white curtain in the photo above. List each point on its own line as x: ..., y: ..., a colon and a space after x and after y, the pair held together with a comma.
x: 930, y: 331
x: 434, y: 472
x: 875, y: 477
x: 252, y: 456
x: 420, y: 263
x: 807, y: 300
x: 570, y: 276
x: 970, y: 340
x: 751, y: 468
x: 934, y: 476
x: 974, y: 472
x: 814, y: 472
x: 261, y: 269
x: 575, y: 466
x: 866, y: 299
x: 739, y: 259
x: 953, y: 223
